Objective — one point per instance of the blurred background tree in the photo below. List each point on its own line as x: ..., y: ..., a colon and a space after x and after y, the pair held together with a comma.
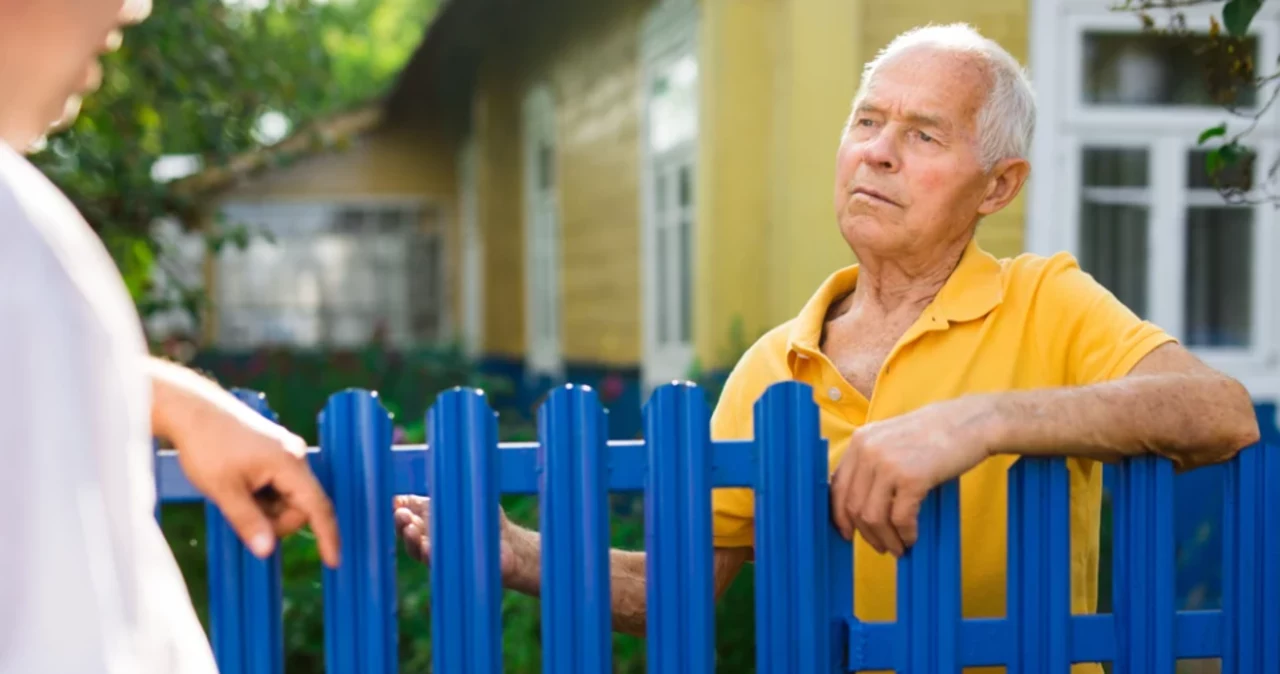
x: 207, y: 80
x: 1229, y: 74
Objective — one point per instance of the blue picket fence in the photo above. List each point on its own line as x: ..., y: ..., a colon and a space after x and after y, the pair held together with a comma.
x: 803, y: 567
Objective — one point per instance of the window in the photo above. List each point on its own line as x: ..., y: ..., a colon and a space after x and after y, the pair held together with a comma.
x: 670, y: 84
x: 331, y: 275
x: 473, y: 251
x: 1124, y: 186
x: 542, y: 235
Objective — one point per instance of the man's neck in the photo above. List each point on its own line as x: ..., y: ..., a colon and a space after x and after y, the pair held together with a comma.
x: 888, y: 286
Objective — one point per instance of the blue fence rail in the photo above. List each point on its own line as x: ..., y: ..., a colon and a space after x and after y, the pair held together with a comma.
x: 803, y: 567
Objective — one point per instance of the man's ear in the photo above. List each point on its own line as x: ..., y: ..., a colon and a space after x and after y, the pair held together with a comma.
x: 1004, y: 184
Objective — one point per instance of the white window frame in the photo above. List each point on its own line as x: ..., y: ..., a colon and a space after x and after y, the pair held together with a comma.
x: 1067, y: 124
x: 473, y: 249
x: 668, y: 33
x: 542, y: 233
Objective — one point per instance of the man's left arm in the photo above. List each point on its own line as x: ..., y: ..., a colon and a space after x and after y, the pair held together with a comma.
x: 1170, y: 404
x: 1128, y: 389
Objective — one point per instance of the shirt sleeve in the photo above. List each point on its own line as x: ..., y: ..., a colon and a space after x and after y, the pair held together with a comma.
x: 733, y: 508
x: 1085, y: 331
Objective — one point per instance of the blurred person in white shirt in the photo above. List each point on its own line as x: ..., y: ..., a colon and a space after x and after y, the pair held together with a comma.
x: 87, y: 582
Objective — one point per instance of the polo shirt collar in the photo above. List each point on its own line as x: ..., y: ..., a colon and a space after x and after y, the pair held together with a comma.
x: 974, y: 288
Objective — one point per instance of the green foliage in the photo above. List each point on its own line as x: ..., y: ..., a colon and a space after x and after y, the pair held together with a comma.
x: 196, y: 79
x: 1229, y: 70
x: 1238, y: 14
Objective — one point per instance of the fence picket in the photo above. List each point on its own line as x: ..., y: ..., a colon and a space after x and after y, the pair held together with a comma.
x: 245, y: 596
x: 792, y: 516
x: 804, y: 576
x: 573, y: 463
x: 1039, y: 572
x: 466, y: 582
x: 361, y: 627
x: 680, y: 594
x: 1143, y: 588
x: 1250, y: 563
x: 929, y: 588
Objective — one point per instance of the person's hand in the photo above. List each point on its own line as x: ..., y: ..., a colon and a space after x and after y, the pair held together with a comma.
x: 891, y: 465
x: 256, y: 472
x: 413, y: 515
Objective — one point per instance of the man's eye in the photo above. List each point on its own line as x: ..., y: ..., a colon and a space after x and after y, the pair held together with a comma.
x: 925, y: 137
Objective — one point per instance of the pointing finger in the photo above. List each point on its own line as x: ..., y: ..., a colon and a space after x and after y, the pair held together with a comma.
x: 302, y: 490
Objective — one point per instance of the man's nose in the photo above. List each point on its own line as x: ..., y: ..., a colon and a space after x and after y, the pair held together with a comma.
x: 881, y: 151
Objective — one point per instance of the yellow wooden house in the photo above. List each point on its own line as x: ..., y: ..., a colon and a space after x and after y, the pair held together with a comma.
x: 580, y: 189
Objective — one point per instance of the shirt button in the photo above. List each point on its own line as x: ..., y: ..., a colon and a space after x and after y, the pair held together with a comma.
x: 834, y: 393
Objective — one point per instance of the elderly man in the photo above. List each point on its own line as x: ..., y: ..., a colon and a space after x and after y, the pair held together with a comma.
x: 87, y: 583
x: 931, y: 359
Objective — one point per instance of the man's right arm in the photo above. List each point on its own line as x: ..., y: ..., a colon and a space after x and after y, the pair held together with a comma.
x: 627, y: 577
x: 521, y: 563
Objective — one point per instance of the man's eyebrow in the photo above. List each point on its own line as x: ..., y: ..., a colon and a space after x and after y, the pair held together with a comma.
x: 915, y: 118
x: 924, y: 119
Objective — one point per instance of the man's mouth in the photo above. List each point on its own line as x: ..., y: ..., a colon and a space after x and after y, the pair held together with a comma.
x: 874, y: 195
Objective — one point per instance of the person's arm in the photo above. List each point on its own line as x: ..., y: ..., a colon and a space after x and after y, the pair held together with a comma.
x: 1171, y: 404
x: 627, y: 576
x: 233, y: 455
x: 521, y: 563
x: 1127, y: 389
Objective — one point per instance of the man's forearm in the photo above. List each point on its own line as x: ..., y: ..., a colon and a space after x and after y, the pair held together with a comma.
x: 627, y: 576
x: 626, y: 582
x: 1194, y: 419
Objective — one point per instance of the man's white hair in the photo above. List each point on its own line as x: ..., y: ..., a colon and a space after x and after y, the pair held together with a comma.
x: 1007, y: 119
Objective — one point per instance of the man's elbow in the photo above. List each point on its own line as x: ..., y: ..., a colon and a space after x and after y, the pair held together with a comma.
x: 1232, y: 425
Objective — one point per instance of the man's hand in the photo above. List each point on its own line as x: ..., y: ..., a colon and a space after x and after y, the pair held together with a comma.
x: 890, y: 466
x: 254, y: 470
x: 413, y: 517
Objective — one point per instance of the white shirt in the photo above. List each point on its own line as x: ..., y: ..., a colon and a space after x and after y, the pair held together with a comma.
x: 88, y: 584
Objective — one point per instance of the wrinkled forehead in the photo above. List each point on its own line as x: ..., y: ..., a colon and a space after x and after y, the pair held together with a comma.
x: 947, y: 86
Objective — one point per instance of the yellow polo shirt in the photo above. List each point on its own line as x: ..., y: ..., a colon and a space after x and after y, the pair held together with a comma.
x: 997, y: 325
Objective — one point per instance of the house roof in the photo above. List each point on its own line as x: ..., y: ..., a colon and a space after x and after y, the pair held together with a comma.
x: 330, y: 132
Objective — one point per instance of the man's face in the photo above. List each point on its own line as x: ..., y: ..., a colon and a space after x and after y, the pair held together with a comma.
x: 909, y: 175
x: 49, y: 53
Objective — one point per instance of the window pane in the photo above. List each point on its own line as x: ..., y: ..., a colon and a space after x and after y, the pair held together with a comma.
x: 1131, y: 68
x: 664, y: 280
x: 1237, y: 176
x: 686, y: 250
x: 673, y: 104
x: 1114, y: 167
x: 1113, y: 242
x: 1219, y: 292
x: 546, y: 166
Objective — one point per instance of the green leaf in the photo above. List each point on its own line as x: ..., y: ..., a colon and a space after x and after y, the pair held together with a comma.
x: 1214, y: 132
x: 1221, y: 158
x: 1238, y: 14
x: 1213, y: 162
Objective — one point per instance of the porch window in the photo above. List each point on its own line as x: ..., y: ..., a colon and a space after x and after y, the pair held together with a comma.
x: 332, y: 275
x: 669, y: 191
x: 542, y: 235
x: 1136, y: 203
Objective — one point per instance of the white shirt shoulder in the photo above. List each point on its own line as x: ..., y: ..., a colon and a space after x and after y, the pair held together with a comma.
x: 87, y: 581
